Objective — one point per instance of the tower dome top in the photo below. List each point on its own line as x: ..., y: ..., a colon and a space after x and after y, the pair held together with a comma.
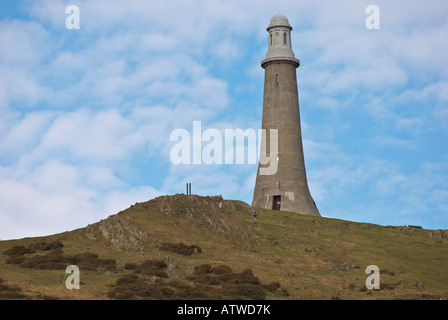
x: 279, y: 20
x: 279, y: 44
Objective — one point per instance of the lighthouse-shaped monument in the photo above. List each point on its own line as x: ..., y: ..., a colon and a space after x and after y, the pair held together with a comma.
x: 285, y: 188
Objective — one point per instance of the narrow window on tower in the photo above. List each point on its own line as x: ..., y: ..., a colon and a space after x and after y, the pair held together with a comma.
x: 284, y: 38
x: 271, y: 38
x: 276, y: 79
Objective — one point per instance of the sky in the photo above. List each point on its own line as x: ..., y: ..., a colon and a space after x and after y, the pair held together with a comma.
x: 86, y: 114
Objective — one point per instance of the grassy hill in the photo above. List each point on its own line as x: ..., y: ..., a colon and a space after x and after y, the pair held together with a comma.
x: 193, y: 247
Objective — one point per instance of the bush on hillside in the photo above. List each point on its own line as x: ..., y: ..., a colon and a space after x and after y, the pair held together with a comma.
x: 18, y: 251
x: 55, y: 259
x: 180, y: 248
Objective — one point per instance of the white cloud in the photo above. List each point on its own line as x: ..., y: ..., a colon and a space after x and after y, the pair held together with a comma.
x: 28, y: 43
x: 87, y: 136
x: 57, y: 197
x: 23, y: 135
x: 26, y: 46
x: 394, y: 142
x: 116, y: 201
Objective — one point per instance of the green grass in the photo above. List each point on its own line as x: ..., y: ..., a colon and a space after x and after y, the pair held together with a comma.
x: 310, y: 257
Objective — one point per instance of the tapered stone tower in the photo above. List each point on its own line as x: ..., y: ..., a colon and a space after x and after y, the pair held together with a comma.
x: 285, y: 188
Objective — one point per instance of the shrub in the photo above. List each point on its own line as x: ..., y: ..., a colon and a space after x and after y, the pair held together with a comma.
x: 179, y: 284
x: 243, y: 291
x: 131, y: 286
x: 202, y: 269
x: 230, y: 277
x: 15, y: 259
x: 153, y: 264
x: 43, y: 246
x: 126, y: 287
x: 204, y: 278
x: 55, y: 260
x: 231, y: 290
x: 17, y: 251
x: 205, y: 274
x: 33, y: 247
x: 219, y: 282
x: 90, y: 260
x: 130, y: 266
x: 167, y: 292
x: 272, y: 286
x: 48, y: 262
x: 82, y: 257
x: 180, y: 248
x: 251, y: 291
x: 156, y: 291
x: 284, y: 292
x: 124, y: 295
x: 195, y: 293
x: 247, y: 276
x: 221, y: 269
x: 127, y: 280
x: 153, y: 267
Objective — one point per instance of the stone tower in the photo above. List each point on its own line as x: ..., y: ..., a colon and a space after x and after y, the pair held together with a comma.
x: 287, y: 188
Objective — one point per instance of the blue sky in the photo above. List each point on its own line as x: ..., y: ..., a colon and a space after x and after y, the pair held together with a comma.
x: 86, y: 115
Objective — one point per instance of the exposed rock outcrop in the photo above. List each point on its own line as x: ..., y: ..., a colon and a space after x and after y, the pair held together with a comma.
x: 211, y: 214
x: 119, y: 232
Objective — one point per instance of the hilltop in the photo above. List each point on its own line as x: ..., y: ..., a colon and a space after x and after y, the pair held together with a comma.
x: 194, y: 247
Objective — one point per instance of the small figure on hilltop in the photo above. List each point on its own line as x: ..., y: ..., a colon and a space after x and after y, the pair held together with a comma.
x: 255, y: 217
